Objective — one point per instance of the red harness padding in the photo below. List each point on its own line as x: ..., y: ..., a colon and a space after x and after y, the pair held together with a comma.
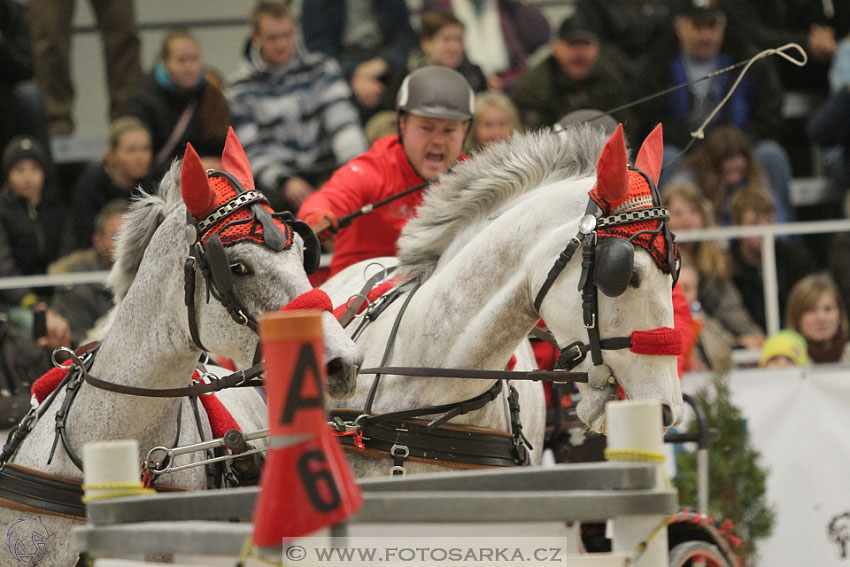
x: 660, y: 341
x: 373, y: 294
x: 313, y: 299
x: 48, y: 382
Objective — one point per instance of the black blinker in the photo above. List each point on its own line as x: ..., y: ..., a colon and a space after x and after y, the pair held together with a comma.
x: 613, y: 265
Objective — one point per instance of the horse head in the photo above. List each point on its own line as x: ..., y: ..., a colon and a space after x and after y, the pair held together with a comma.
x: 629, y: 255
x: 252, y: 261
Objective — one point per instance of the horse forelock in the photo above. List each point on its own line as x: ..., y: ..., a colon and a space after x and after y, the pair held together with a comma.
x: 478, y: 188
x: 145, y: 215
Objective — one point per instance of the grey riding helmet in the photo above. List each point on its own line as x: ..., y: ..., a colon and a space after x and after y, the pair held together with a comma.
x: 435, y: 91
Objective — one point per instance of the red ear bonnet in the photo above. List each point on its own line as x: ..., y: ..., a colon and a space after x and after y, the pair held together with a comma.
x: 650, y: 155
x: 612, y: 173
x: 235, y: 162
x: 199, y: 197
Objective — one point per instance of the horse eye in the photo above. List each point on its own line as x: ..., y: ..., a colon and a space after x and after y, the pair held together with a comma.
x: 635, y: 279
x: 240, y: 269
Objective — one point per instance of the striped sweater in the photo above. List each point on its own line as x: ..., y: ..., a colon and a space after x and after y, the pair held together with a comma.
x: 296, y: 119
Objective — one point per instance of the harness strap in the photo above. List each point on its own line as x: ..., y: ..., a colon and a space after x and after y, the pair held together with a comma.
x: 556, y: 376
x: 556, y: 269
x: 449, y: 410
x: 449, y: 444
x: 35, y: 490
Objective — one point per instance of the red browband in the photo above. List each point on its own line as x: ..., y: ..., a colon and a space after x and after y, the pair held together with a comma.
x: 663, y: 341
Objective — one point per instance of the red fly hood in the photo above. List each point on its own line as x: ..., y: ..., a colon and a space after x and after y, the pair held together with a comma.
x: 225, y: 203
x: 620, y: 189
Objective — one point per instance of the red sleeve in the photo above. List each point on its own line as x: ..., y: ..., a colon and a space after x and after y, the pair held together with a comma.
x: 682, y: 321
x: 352, y: 186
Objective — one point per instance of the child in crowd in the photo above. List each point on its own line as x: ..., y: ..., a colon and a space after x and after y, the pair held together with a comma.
x: 785, y: 348
x: 816, y: 311
x: 495, y: 119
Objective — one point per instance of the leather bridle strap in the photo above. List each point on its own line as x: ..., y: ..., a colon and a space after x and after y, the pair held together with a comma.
x: 557, y: 376
x: 240, y: 378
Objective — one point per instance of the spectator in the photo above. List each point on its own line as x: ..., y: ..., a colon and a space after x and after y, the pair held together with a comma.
x: 180, y: 102
x: 120, y: 175
x: 725, y: 164
x: 773, y: 23
x: 752, y: 207
x: 291, y: 111
x: 578, y: 74
x: 30, y: 229
x: 371, y: 40
x: 784, y: 348
x: 500, y: 35
x: 435, y: 106
x: 442, y: 44
x: 829, y: 126
x: 704, y: 47
x: 51, y: 27
x: 496, y: 118
x: 22, y: 109
x: 711, y: 347
x: 82, y: 305
x: 816, y: 311
x: 631, y: 27
x: 717, y: 293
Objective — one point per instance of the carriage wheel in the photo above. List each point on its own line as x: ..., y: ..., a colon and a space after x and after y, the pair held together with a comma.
x: 697, y: 554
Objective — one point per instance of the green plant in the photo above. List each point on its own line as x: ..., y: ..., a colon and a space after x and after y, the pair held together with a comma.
x: 736, y: 479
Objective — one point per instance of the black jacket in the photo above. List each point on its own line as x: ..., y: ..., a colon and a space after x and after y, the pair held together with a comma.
x: 29, y: 239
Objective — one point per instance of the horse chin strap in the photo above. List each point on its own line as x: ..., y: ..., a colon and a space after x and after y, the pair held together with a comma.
x: 660, y: 341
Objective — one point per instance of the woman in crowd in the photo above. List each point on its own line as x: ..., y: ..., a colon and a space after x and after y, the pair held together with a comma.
x: 181, y: 102
x: 124, y: 169
x: 724, y: 164
x: 816, y: 311
x: 717, y: 294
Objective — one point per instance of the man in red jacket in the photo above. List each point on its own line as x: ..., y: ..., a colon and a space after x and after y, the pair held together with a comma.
x: 435, y: 107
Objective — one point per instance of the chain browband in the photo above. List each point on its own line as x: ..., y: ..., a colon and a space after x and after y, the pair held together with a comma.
x: 230, y: 206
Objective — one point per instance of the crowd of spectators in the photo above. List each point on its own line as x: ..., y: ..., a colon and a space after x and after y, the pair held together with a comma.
x: 318, y: 84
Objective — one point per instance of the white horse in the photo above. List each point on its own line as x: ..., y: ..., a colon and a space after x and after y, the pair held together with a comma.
x: 150, y: 343
x: 482, y: 249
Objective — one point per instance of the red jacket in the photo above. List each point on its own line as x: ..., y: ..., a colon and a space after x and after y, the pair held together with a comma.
x: 377, y: 174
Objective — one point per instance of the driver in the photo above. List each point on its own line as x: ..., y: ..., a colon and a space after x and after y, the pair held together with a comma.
x: 435, y: 107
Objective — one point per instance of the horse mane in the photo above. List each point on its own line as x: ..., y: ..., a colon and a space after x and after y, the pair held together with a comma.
x: 145, y: 215
x: 478, y: 187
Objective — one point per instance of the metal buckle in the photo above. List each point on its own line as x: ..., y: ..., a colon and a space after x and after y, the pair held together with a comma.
x: 592, y: 322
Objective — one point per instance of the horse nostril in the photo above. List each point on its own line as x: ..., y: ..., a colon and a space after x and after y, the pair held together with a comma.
x: 667, y: 415
x: 335, y: 367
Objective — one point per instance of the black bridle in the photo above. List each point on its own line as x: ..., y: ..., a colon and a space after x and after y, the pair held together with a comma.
x: 618, y: 265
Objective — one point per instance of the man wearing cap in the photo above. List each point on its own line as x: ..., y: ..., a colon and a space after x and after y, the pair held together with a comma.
x: 435, y: 107
x: 704, y: 46
x: 578, y: 74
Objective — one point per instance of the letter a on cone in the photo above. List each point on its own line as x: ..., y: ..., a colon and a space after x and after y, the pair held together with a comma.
x: 306, y: 483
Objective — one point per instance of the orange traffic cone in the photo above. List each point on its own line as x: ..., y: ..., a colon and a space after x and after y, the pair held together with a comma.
x: 306, y: 482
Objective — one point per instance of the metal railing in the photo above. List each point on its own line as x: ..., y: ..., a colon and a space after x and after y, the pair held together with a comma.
x: 767, y: 232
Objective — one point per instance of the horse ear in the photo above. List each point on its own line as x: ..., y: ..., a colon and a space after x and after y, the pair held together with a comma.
x: 651, y: 154
x: 612, y: 171
x: 235, y: 161
x: 194, y: 184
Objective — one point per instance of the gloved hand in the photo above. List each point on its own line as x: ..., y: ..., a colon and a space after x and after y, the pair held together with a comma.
x: 324, y: 223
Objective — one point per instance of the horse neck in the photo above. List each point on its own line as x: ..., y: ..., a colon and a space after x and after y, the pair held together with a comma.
x: 480, y: 299
x: 131, y: 354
